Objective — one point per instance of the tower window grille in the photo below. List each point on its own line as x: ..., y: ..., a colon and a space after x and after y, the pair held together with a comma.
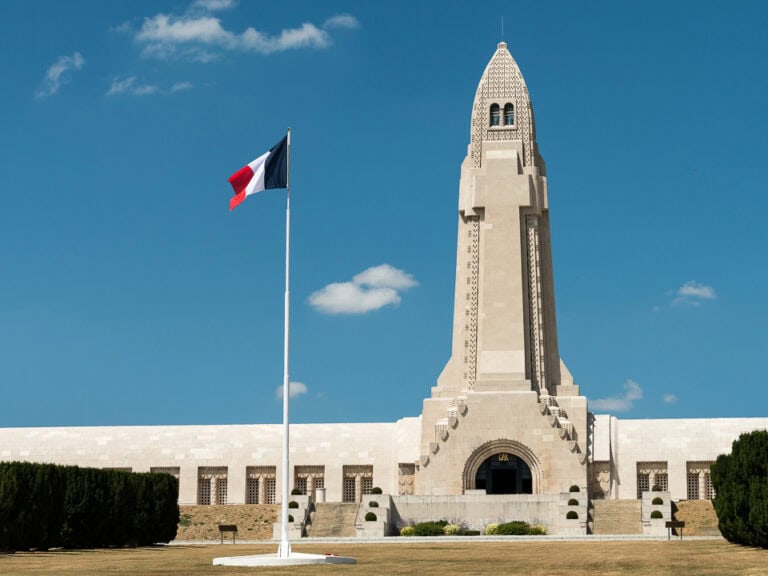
x: 509, y: 114
x: 495, y: 115
x: 662, y: 481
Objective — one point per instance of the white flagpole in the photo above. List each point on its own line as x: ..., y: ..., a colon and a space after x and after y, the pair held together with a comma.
x: 285, y: 548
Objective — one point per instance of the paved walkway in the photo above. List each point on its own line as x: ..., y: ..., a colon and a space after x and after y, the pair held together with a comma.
x: 453, y: 539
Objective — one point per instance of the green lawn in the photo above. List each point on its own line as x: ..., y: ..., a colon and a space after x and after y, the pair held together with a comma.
x: 655, y: 558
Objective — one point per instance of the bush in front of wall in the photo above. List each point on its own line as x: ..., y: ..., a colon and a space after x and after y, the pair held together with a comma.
x: 514, y: 528
x: 451, y: 529
x: 490, y: 530
x: 407, y: 531
x: 429, y: 529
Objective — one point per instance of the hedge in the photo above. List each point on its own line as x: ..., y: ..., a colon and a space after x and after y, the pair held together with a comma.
x: 45, y: 506
x: 740, y: 480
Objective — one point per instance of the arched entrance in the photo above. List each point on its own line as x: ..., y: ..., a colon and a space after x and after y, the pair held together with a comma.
x: 504, y: 473
x: 503, y: 467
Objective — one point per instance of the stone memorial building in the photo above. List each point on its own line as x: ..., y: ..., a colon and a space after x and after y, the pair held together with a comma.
x: 504, y: 434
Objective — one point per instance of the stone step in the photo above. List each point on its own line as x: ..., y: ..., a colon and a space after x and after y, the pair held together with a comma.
x: 616, y: 517
x: 333, y: 519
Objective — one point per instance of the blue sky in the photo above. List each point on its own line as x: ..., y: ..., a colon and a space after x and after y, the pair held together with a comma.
x: 131, y: 295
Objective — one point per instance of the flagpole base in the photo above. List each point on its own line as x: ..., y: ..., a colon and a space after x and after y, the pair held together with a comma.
x: 293, y: 559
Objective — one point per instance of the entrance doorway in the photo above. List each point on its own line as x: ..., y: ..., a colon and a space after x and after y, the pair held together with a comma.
x: 504, y: 473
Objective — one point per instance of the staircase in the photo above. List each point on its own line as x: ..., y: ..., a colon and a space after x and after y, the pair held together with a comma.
x: 333, y: 519
x: 616, y: 517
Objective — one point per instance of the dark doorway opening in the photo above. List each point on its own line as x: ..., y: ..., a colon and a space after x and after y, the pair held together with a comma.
x: 504, y: 473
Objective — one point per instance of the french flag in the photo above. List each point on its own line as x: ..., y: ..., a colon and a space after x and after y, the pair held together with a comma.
x: 270, y: 170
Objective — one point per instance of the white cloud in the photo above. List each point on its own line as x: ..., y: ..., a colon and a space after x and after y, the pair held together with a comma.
x: 167, y: 35
x: 179, y: 86
x: 369, y: 290
x: 295, y: 389
x: 693, y: 293
x: 213, y: 5
x: 130, y: 86
x: 341, y: 21
x: 669, y: 399
x: 632, y: 392
x: 58, y: 74
x: 385, y: 276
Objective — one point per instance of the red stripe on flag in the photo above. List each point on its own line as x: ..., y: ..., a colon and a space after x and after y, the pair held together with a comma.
x: 236, y: 200
x: 240, y: 179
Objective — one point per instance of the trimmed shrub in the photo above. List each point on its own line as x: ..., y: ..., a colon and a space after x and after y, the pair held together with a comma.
x: 370, y: 517
x: 293, y: 504
x: 471, y: 533
x: 375, y: 490
x: 296, y: 492
x: 573, y: 502
x: 537, y: 530
x: 514, y: 528
x: 740, y: 480
x: 657, y: 514
x: 373, y: 504
x: 574, y: 488
x: 490, y: 530
x: 572, y: 515
x: 407, y: 531
x: 44, y: 506
x: 429, y: 528
x: 451, y: 529
x: 657, y: 501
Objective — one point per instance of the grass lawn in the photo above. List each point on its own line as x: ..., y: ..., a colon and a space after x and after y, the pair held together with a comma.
x: 693, y: 557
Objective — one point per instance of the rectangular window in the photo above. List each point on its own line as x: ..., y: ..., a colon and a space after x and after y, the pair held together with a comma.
x: 349, y: 490
x: 221, y: 491
x: 708, y: 488
x: 643, y: 481
x: 367, y: 485
x: 693, y: 486
x: 270, y: 491
x: 252, y: 491
x: 301, y: 485
x: 204, y: 491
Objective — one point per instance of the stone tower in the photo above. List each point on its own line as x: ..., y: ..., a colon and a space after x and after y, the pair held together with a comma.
x: 504, y: 393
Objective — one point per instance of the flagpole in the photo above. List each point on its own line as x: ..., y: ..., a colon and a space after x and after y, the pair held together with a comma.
x: 285, y: 548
